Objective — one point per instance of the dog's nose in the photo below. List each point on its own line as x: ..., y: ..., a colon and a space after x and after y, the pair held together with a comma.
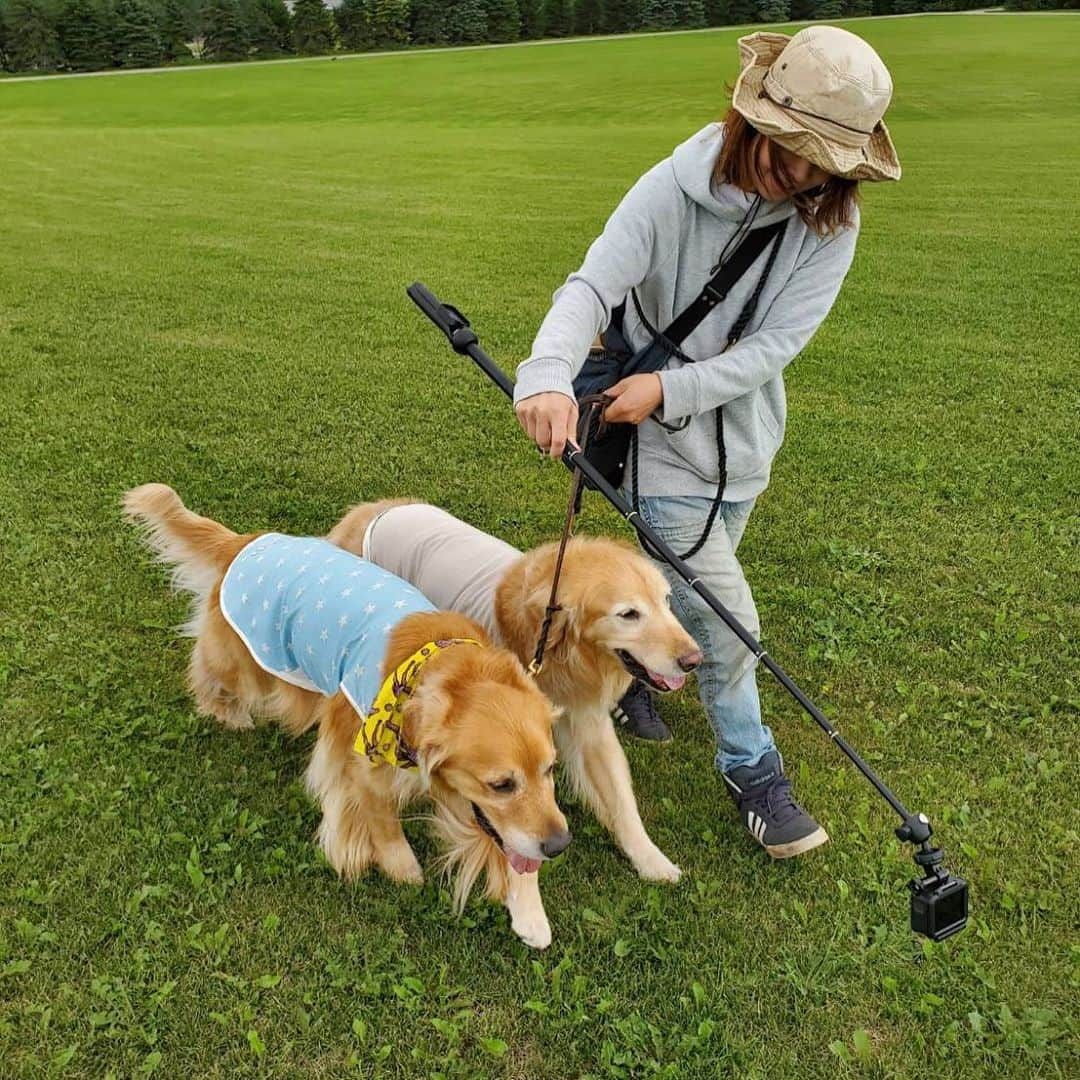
x: 556, y: 844
x: 689, y: 661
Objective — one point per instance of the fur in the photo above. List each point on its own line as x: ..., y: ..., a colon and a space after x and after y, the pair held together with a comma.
x: 583, y: 674
x: 474, y: 719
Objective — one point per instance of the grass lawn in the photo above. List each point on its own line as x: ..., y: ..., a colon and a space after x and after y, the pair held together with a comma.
x: 202, y: 282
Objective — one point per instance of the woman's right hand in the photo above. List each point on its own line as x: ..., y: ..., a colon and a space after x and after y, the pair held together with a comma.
x: 550, y: 420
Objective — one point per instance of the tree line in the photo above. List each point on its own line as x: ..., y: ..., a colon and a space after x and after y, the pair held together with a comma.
x: 95, y: 35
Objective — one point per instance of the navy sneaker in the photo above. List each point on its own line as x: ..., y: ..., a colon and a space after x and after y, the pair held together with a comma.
x: 776, y: 821
x: 637, y: 714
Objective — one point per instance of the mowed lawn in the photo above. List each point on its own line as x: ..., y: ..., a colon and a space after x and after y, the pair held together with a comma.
x: 202, y: 282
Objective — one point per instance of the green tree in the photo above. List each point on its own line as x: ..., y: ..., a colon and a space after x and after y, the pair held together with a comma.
x: 856, y: 9
x: 658, y: 14
x: 176, y: 22
x: 503, y: 20
x: 823, y: 11
x: 313, y: 30
x: 427, y: 22
x: 135, y: 35
x: 560, y: 18
x: 353, y: 20
x: 30, y: 41
x: 717, y: 13
x: 742, y: 11
x: 83, y: 37
x: 267, y: 26
x: 389, y: 23
x: 589, y: 17
x: 533, y: 19
x: 690, y: 13
x: 466, y: 22
x: 223, y: 30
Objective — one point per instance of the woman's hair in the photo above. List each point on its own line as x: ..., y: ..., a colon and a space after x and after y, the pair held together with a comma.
x: 824, y: 209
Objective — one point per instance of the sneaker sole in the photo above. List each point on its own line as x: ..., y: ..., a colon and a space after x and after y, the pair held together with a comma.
x: 797, y: 847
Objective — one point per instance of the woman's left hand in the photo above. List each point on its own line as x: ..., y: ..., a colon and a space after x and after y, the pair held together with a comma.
x: 636, y: 398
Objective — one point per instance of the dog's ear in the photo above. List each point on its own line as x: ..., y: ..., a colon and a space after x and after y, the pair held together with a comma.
x: 563, y: 622
x: 428, y: 715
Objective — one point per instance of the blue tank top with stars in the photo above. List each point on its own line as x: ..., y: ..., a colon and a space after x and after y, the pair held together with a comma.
x: 315, y: 615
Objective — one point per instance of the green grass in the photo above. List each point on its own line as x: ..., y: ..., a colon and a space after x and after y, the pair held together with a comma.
x: 201, y: 282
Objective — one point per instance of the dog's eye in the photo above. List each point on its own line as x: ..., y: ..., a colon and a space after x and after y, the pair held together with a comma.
x: 630, y: 614
x: 550, y: 769
x: 503, y: 787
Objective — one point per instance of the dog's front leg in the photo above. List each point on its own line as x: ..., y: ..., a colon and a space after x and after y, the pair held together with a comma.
x: 599, y: 772
x: 527, y: 916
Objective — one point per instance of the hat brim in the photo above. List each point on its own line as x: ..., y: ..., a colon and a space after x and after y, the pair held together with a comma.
x: 876, y: 160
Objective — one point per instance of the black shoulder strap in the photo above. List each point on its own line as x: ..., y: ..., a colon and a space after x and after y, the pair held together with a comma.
x: 722, y: 282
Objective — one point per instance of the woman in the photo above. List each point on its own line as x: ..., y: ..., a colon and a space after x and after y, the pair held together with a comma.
x: 804, y: 129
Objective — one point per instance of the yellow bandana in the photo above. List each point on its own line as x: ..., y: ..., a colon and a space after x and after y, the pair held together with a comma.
x: 380, y: 737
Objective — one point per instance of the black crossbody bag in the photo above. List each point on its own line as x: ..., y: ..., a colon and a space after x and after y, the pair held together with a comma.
x: 609, y: 447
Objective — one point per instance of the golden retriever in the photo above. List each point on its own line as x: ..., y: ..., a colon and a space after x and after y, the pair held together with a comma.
x: 479, y: 727
x: 614, y: 624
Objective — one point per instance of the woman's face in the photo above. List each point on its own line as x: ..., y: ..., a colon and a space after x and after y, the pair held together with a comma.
x: 779, y: 174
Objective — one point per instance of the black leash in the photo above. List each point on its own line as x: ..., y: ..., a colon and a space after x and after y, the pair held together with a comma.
x: 595, y: 404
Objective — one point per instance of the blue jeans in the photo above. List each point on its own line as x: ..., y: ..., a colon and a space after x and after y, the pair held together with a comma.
x: 727, y: 678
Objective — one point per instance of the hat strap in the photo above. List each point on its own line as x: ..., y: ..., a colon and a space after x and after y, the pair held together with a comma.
x: 763, y: 93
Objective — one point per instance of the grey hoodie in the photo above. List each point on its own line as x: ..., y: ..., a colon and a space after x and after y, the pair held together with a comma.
x: 663, y: 240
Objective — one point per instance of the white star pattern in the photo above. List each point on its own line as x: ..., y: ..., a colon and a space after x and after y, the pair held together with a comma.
x: 324, y: 579
x: 325, y: 635
x: 399, y: 603
x: 343, y: 620
x: 280, y: 585
x: 359, y: 671
x: 370, y: 609
x: 310, y: 651
x: 243, y: 598
x: 266, y: 605
x: 387, y: 628
x: 302, y: 569
x: 356, y: 573
x: 320, y: 605
x: 280, y: 563
x: 346, y: 592
x: 265, y: 648
x: 261, y: 578
x: 377, y: 586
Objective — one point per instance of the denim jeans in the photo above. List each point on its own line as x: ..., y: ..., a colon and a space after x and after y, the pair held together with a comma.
x: 727, y: 678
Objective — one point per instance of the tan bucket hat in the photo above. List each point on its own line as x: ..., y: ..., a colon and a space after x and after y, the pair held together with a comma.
x: 822, y: 95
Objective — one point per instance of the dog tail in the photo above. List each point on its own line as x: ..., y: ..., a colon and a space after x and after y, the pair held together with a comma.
x: 198, y: 550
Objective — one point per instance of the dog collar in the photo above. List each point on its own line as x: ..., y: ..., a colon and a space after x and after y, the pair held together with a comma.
x: 380, y: 737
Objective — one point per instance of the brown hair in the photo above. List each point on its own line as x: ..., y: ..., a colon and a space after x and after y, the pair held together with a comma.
x: 824, y: 209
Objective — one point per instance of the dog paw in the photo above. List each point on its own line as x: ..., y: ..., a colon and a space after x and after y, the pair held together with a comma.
x: 656, y: 866
x: 534, y: 930
x: 402, y: 866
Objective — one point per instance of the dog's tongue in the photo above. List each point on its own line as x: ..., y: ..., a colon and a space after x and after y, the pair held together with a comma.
x: 520, y: 864
x: 672, y: 682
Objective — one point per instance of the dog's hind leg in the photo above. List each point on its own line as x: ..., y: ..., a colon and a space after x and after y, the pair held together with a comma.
x: 594, y: 762
x: 212, y: 696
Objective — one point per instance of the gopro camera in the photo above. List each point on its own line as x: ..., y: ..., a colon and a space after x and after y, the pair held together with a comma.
x: 939, y: 905
x: 939, y: 900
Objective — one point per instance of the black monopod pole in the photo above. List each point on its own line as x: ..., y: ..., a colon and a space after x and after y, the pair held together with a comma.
x: 939, y: 901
